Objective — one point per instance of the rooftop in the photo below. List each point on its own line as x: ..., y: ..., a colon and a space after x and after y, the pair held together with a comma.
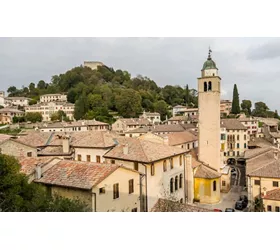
x: 180, y: 138
x: 273, y: 195
x: 82, y: 175
x: 164, y: 205
x: 135, y: 121
x: 271, y: 170
x: 29, y: 164
x: 11, y: 110
x: 142, y: 150
x: 232, y: 124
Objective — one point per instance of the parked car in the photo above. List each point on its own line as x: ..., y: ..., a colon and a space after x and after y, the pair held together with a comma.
x: 240, y: 205
x: 229, y: 210
x: 217, y: 210
x: 244, y: 198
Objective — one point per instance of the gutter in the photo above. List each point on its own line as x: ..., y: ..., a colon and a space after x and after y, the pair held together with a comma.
x: 146, y: 196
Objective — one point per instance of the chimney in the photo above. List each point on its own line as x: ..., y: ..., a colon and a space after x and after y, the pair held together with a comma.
x: 38, y: 172
x: 66, y: 144
x: 125, y: 149
x: 165, y: 140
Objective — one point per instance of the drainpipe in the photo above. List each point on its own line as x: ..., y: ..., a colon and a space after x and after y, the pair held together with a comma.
x: 185, y: 188
x: 146, y: 197
x: 94, y: 194
x: 141, y: 193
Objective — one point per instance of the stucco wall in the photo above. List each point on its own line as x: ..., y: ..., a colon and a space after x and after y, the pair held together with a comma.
x: 126, y: 202
x: 17, y: 149
x: 272, y: 203
x: 203, y: 190
x: 93, y: 152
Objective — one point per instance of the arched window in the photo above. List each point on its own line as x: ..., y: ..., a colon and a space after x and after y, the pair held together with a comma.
x: 181, y: 181
x: 171, y: 185
x: 209, y: 86
x: 205, y: 86
x: 181, y: 200
x: 214, y: 185
x: 164, y: 166
x: 176, y: 183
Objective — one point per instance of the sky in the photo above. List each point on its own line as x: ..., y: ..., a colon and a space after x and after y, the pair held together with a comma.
x: 251, y: 63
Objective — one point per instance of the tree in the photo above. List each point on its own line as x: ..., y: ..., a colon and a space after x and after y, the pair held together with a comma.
x: 41, y: 84
x: 34, y: 117
x: 260, y: 109
x: 18, y: 195
x: 17, y: 119
x: 235, y: 101
x: 246, y: 106
x: 81, y: 107
x: 95, y: 100
x: 276, y: 114
x: 128, y: 103
x: 59, y: 116
x: 12, y: 90
x: 32, y: 87
x: 162, y: 108
x: 187, y: 95
x: 32, y: 102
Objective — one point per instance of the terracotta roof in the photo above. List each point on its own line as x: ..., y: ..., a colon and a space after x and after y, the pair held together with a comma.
x: 151, y: 114
x: 142, y: 150
x: 251, y: 153
x: 135, y: 121
x: 273, y: 195
x: 164, y: 205
x: 206, y: 172
x: 275, y: 134
x: 73, y: 124
x: 180, y: 138
x: 4, y: 137
x: 271, y: 170
x: 247, y: 119
x: 168, y: 128
x: 95, y: 139
x: 28, y: 164
x: 178, y: 118
x: 232, y: 124
x: 12, y: 110
x: 83, y: 175
x: 35, y: 138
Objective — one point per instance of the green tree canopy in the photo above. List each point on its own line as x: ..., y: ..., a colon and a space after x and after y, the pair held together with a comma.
x: 260, y: 110
x: 246, y: 106
x: 34, y: 117
x: 18, y: 195
x: 235, y: 101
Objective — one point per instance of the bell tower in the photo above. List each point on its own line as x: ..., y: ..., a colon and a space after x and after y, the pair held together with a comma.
x: 209, y: 114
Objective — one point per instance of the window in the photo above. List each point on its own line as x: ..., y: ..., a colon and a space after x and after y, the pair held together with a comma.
x: 245, y: 145
x: 98, y: 159
x: 116, y: 193
x: 237, y: 153
x: 102, y: 190
x: 79, y: 157
x: 29, y: 154
x: 136, y: 167
x: 188, y: 146
x: 180, y: 160
x: 131, y: 186
x: 134, y: 210
x: 233, y: 153
x: 237, y: 145
x: 171, y: 163
x: 223, y: 183
x: 209, y: 86
x: 176, y: 183
x: 171, y: 185
x: 181, y: 181
x: 205, y: 86
x: 275, y: 184
x: 181, y: 200
x: 152, y: 169
x: 257, y: 182
x: 88, y: 158
x: 269, y: 208
x: 214, y: 186
x: 277, y: 209
x: 244, y: 137
x: 193, y: 145
x: 112, y: 161
x: 164, y: 166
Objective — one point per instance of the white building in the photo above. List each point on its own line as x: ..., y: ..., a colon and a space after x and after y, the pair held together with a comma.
x: 92, y: 64
x: 53, y: 98
x: 17, y: 101
x: 152, y: 117
x: 49, y: 108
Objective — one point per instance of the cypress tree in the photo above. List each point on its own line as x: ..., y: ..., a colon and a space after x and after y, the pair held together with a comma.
x: 187, y: 96
x: 235, y: 109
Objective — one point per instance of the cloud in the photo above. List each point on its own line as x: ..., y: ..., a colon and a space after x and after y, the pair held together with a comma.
x: 168, y: 61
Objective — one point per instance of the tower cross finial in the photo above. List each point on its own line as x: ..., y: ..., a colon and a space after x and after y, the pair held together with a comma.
x: 209, y: 53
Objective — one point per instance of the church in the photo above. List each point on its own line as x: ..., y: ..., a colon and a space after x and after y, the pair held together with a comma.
x: 207, y: 176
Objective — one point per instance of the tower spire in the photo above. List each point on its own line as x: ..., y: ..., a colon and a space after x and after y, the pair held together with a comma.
x: 209, y: 54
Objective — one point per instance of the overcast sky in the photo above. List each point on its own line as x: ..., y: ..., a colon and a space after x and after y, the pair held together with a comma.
x: 252, y: 63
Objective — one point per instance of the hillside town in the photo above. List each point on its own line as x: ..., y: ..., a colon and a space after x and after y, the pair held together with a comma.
x: 209, y: 156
